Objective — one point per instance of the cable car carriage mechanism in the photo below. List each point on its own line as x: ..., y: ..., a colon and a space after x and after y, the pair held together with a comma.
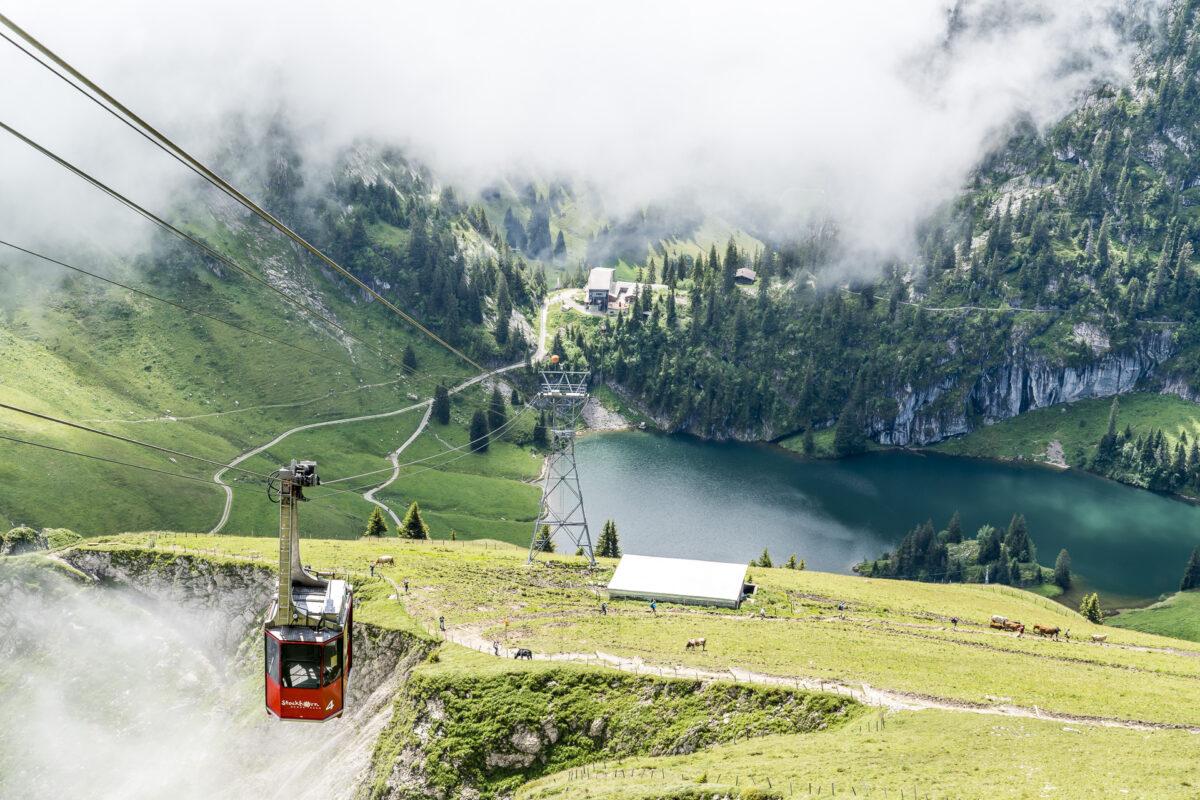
x: 309, y: 625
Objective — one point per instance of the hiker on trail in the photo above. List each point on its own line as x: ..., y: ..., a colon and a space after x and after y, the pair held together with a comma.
x: 372, y: 570
x: 604, y: 609
x: 442, y: 623
x: 496, y: 647
x: 406, y: 585
x: 841, y: 606
x: 762, y: 612
x: 1067, y: 635
x: 653, y: 607
x: 954, y: 621
x: 1020, y: 630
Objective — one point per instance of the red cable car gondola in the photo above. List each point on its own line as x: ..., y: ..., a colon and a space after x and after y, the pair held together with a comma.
x: 309, y: 626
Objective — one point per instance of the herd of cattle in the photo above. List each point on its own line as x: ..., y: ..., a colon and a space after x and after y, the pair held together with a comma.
x: 1004, y: 624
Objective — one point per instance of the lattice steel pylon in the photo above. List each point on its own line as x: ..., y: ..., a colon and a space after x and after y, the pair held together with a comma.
x: 562, y: 392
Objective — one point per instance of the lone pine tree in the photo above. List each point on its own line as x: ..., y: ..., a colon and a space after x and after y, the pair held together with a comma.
x: 376, y: 525
x: 413, y: 526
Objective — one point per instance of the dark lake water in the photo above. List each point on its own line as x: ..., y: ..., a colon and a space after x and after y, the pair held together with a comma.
x: 679, y: 496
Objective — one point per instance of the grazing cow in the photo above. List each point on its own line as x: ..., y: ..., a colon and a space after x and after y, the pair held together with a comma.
x: 384, y: 560
x: 1099, y: 637
x: 997, y: 625
x: 700, y: 642
x: 524, y: 653
x: 1012, y: 625
x: 1046, y: 630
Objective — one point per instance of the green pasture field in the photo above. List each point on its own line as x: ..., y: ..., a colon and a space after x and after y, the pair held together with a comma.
x: 896, y: 635
x: 934, y: 753
x: 121, y: 363
x: 1178, y: 616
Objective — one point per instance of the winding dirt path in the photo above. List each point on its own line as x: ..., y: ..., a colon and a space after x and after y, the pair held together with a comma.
x: 394, y: 457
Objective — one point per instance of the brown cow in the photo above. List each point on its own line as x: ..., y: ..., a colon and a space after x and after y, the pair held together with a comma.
x: 1012, y: 625
x: 384, y: 560
x: 1046, y: 630
x: 700, y: 642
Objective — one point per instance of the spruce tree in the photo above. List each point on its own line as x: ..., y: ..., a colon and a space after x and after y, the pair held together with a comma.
x: 544, y: 542
x: 989, y: 545
x: 479, y: 431
x: 1191, y: 575
x: 496, y: 413
x: 1090, y: 608
x: 609, y: 546
x: 541, y: 434
x: 409, y: 359
x: 376, y: 526
x: 765, y: 559
x: 413, y: 526
x: 954, y: 529
x: 1062, y: 569
x: 441, y: 405
x: 791, y: 562
x: 1017, y: 540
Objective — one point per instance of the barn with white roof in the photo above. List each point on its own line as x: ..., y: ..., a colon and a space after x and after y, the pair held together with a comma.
x: 678, y: 580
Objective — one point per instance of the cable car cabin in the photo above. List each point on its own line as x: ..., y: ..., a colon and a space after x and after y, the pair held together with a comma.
x: 307, y: 638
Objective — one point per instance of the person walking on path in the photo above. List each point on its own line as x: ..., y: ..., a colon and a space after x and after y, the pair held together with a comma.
x: 954, y: 621
x: 1020, y: 630
x: 653, y: 607
x: 496, y: 647
x: 1068, y: 635
x: 442, y: 623
x: 372, y: 570
x: 406, y: 585
x: 603, y: 609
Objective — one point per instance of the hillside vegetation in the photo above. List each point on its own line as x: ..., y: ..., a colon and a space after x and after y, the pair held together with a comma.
x: 750, y: 708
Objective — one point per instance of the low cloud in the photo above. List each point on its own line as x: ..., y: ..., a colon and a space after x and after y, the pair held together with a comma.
x: 868, y: 113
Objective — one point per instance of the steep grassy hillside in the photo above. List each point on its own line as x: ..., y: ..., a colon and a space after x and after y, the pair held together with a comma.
x: 1178, y: 616
x: 923, y: 753
x: 122, y: 362
x: 472, y: 721
x: 749, y: 709
x: 892, y: 635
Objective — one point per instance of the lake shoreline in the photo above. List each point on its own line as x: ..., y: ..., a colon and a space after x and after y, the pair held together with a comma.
x: 730, y: 499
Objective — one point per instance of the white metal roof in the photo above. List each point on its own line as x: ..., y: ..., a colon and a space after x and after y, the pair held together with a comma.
x: 601, y: 279
x: 679, y: 577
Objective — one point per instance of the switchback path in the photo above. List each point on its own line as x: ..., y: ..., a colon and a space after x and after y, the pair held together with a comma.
x: 427, y: 404
x: 394, y: 457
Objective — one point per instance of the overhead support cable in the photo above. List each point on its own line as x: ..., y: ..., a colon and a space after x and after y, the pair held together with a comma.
x: 166, y: 144
x: 127, y: 440
x: 167, y: 226
x: 162, y: 223
x: 233, y: 325
x: 208, y: 481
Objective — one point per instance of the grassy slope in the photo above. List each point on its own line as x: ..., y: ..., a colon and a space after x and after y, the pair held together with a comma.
x: 895, y: 630
x: 1077, y: 426
x: 1178, y: 616
x: 896, y: 634
x: 594, y: 714
x: 939, y: 753
x: 121, y: 363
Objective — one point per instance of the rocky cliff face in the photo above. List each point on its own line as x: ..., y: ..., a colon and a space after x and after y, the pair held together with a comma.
x: 1024, y: 382
x: 233, y: 597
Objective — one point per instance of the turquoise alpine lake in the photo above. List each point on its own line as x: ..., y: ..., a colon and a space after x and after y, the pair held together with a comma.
x: 689, y: 498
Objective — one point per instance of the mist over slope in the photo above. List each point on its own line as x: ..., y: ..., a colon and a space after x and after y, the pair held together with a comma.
x: 868, y: 115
